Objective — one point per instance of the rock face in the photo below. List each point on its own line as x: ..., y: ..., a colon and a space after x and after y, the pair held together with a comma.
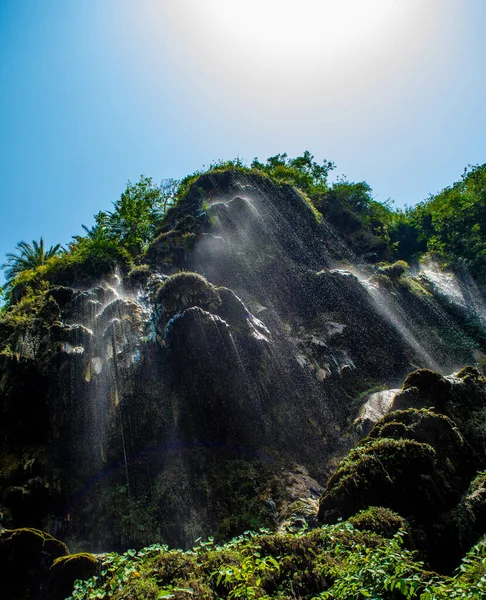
x: 163, y: 405
x: 420, y: 463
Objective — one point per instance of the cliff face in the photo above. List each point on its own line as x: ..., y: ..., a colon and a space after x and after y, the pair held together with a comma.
x: 211, y: 389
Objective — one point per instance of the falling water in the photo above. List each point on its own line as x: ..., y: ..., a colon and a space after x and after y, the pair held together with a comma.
x: 460, y: 290
x: 388, y: 306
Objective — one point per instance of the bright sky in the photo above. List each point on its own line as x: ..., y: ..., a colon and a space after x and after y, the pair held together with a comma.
x: 96, y: 92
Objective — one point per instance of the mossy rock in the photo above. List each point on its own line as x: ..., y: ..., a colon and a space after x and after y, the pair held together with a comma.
x: 185, y: 290
x: 26, y: 556
x: 380, y: 520
x: 170, y: 249
x: 471, y: 512
x: 65, y: 570
x: 188, y: 290
x: 468, y: 372
x: 433, y: 387
x: 423, y: 426
x: 395, y: 270
x: 455, y: 462
x: 138, y: 276
x: 397, y: 474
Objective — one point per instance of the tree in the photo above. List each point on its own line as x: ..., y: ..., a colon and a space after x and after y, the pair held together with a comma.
x: 302, y: 171
x: 28, y: 257
x: 133, y: 221
x: 453, y: 222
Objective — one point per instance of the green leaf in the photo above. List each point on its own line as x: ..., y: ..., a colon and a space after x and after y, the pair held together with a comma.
x: 165, y: 594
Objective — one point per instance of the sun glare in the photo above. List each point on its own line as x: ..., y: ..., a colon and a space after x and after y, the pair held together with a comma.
x: 271, y: 52
x: 309, y: 28
x: 261, y: 31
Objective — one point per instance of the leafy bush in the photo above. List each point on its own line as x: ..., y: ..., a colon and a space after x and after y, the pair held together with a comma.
x: 302, y: 172
x: 453, y: 222
x: 334, y: 562
x: 28, y: 258
x: 380, y: 520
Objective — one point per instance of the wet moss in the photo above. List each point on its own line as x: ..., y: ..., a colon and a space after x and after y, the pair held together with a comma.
x: 471, y: 512
x: 26, y: 555
x: 185, y: 290
x: 65, y: 570
x: 424, y: 426
x: 138, y: 276
x: 382, y: 521
x: 397, y: 474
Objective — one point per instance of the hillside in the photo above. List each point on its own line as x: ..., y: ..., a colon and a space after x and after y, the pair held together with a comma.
x: 250, y: 348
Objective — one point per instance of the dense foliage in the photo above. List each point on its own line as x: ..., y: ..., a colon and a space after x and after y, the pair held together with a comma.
x: 337, y: 562
x: 28, y: 258
x: 135, y: 217
x: 451, y: 224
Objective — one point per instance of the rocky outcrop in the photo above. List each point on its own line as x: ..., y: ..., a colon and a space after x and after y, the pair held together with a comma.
x: 246, y: 342
x: 26, y: 556
x: 420, y: 463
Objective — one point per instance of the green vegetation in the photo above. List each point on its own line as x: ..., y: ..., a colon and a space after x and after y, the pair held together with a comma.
x: 450, y: 224
x: 133, y: 222
x: 28, y: 258
x: 333, y: 562
x: 301, y: 172
x: 116, y: 240
x: 27, y: 321
x: 453, y: 222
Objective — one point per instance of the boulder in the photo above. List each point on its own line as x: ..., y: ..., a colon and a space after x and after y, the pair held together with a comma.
x: 25, y: 557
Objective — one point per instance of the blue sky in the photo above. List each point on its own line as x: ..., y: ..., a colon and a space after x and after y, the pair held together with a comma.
x: 97, y: 92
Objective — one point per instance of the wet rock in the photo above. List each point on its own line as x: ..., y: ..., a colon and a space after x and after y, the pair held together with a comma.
x: 375, y: 406
x: 210, y: 372
x: 75, y: 335
x: 65, y: 570
x: 122, y: 309
x: 103, y: 294
x: 25, y: 557
x: 187, y: 290
x: 298, y: 500
x: 382, y: 521
x: 471, y: 513
x: 63, y: 295
x: 182, y: 291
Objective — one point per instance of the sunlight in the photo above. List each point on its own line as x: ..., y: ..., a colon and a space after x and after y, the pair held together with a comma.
x: 260, y: 33
x: 289, y: 29
x: 327, y: 57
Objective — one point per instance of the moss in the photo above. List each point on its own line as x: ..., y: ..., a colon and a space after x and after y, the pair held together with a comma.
x: 421, y: 425
x: 65, y: 570
x: 379, y: 520
x: 25, y: 557
x: 173, y: 567
x: 138, y: 276
x: 426, y: 381
x: 317, y: 215
x: 170, y: 248
x: 467, y: 372
x: 396, y: 270
x: 397, y: 474
x: 471, y: 512
x: 184, y: 290
x: 425, y: 388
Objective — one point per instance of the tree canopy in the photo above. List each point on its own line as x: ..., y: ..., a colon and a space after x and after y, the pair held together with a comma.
x: 27, y: 258
x: 450, y: 224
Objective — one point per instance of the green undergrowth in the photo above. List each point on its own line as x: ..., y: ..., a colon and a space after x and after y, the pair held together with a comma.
x: 333, y: 562
x: 301, y: 172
